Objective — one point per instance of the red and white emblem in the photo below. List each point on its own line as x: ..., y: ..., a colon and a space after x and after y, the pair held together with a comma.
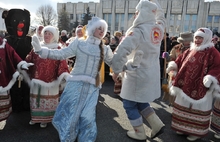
x: 156, y: 35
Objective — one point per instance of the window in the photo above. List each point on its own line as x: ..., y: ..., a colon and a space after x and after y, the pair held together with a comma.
x: 130, y: 15
x: 122, y: 22
x: 108, y: 18
x: 71, y: 16
x: 186, y: 22
x: 194, y: 21
x: 209, y: 20
x: 116, y: 21
x: 216, y: 19
x: 79, y: 17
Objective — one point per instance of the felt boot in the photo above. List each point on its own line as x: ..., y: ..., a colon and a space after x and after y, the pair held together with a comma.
x: 156, y: 125
x: 138, y: 133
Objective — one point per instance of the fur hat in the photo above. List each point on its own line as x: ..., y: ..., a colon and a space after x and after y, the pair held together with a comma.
x: 185, y: 36
x: 146, y: 12
x: 64, y: 31
x: 205, y: 33
x: 207, y: 39
x: 94, y: 23
x: 53, y: 30
x: 79, y: 27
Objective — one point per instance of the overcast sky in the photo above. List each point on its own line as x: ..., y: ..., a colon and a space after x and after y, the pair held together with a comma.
x: 33, y: 5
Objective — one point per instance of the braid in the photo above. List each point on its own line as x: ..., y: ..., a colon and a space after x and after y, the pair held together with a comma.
x: 100, y: 63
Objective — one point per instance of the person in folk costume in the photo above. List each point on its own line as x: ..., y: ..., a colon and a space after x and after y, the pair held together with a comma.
x: 215, y: 120
x: 76, y: 112
x: 17, y: 22
x: 195, y: 85
x: 10, y: 65
x: 45, y: 79
x: 38, y: 32
x: 184, y: 41
x: 143, y: 85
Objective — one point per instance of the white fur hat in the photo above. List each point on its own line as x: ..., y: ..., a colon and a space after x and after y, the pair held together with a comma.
x: 147, y: 12
x: 53, y: 30
x: 94, y: 23
x: 64, y: 31
x: 206, y: 34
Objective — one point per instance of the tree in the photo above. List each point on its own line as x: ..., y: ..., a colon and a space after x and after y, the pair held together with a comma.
x: 87, y: 16
x: 76, y: 23
x: 63, y: 20
x: 46, y: 15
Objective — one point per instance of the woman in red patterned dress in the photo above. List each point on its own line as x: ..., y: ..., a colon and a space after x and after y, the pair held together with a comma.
x: 195, y: 85
x: 44, y: 79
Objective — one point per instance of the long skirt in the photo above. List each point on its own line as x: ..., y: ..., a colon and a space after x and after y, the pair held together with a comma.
x: 215, y: 121
x: 43, y: 103
x: 191, y: 119
x: 76, y: 113
x: 5, y: 105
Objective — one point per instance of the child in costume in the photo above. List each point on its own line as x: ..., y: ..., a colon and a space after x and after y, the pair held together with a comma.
x: 195, y: 85
x: 9, y: 62
x: 142, y: 86
x: 76, y: 112
x: 44, y: 79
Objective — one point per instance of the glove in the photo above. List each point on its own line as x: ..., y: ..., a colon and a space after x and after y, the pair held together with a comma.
x: 207, y: 82
x: 165, y: 55
x: 36, y: 44
x: 25, y: 66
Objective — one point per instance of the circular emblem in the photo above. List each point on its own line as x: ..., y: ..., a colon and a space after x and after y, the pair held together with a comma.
x: 156, y: 35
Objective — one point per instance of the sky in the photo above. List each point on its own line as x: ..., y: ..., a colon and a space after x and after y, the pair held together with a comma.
x: 33, y: 5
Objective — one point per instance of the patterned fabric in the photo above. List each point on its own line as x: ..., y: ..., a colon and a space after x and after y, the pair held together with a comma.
x: 43, y: 105
x: 193, y: 66
x: 45, y: 86
x: 46, y: 70
x: 75, y: 116
x: 190, y: 121
x: 215, y: 122
x: 5, y: 106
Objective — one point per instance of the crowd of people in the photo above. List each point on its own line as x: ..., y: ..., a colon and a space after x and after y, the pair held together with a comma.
x: 64, y: 76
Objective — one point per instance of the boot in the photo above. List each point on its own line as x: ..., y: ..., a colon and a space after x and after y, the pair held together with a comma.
x: 156, y: 125
x: 138, y: 133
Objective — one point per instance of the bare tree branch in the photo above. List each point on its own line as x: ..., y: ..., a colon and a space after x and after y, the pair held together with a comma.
x: 46, y: 15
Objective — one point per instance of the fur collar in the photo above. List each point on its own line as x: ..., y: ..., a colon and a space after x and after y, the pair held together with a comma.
x: 50, y: 45
x: 201, y: 47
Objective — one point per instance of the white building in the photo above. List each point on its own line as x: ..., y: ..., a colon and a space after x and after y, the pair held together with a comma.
x: 2, y: 21
x: 181, y: 15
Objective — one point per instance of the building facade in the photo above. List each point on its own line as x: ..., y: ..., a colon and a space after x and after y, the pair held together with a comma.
x: 181, y: 15
x: 2, y: 21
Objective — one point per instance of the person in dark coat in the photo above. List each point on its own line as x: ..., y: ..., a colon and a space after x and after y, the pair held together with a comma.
x: 17, y: 23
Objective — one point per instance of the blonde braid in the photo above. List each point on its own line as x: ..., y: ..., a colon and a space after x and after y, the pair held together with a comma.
x: 100, y: 63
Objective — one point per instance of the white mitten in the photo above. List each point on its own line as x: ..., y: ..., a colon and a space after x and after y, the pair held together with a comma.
x: 25, y: 66
x: 20, y: 77
x: 36, y: 43
x: 207, y: 82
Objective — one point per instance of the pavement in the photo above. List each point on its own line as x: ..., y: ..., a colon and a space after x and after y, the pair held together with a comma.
x: 112, y: 123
